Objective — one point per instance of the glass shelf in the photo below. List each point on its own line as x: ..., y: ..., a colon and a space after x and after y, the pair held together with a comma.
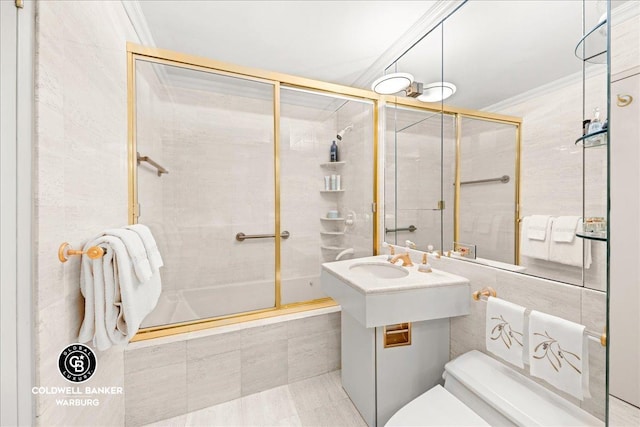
x: 332, y: 191
x: 332, y: 164
x: 592, y: 47
x: 593, y: 235
x: 585, y: 140
x: 333, y: 233
x: 331, y: 219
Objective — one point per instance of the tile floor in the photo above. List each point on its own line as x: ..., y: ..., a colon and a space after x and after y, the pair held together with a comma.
x: 317, y: 401
x: 621, y: 414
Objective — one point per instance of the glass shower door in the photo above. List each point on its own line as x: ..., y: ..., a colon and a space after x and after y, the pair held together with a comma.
x: 214, y: 135
x: 325, y: 205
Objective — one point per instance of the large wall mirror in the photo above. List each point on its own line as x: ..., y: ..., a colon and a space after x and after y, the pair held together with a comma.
x: 482, y: 169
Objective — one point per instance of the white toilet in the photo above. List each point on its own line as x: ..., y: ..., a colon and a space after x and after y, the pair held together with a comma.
x: 480, y: 391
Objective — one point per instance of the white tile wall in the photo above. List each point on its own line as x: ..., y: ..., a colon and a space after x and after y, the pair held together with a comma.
x: 80, y: 185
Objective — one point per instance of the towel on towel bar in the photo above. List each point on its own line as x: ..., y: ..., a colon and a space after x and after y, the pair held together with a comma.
x: 558, y: 353
x: 566, y: 250
x: 537, y: 226
x: 150, y: 245
x: 137, y: 251
x: 564, y: 228
x: 116, y: 301
x: 505, y: 330
x: 535, y: 248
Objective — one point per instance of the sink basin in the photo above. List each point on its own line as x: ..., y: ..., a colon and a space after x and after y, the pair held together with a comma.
x: 376, y: 293
x: 381, y: 270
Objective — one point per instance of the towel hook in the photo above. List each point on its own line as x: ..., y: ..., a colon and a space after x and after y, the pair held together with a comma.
x: 64, y: 251
x: 485, y: 292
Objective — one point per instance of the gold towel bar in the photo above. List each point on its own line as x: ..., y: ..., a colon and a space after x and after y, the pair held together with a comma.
x: 490, y: 292
x: 94, y: 252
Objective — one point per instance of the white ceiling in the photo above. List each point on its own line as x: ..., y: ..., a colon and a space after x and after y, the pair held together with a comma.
x: 493, y: 49
x: 334, y: 41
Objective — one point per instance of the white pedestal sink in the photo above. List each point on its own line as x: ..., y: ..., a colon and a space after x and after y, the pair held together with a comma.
x: 377, y: 293
x: 373, y: 294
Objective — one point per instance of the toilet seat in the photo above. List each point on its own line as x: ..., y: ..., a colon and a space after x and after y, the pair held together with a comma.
x: 436, y: 407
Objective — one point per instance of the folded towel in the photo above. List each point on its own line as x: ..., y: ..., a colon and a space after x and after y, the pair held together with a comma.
x: 535, y: 248
x: 558, y: 353
x: 504, y: 330
x: 537, y: 227
x: 137, y: 252
x: 576, y: 253
x: 150, y: 245
x: 564, y: 228
x: 116, y: 302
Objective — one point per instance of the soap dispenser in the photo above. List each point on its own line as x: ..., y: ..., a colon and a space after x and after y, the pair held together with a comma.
x: 333, y: 153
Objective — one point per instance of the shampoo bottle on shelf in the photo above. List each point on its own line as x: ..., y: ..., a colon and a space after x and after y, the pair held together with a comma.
x: 334, y: 152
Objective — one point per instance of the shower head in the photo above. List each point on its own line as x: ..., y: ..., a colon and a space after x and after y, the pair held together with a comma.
x: 343, y: 131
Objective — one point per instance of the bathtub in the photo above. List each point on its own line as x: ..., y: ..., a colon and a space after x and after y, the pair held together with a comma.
x: 187, y: 305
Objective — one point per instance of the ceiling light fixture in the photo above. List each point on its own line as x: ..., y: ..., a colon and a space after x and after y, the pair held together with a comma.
x: 392, y: 83
x: 438, y: 91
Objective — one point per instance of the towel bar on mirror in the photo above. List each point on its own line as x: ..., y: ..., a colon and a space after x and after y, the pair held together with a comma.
x: 64, y: 251
x: 484, y: 293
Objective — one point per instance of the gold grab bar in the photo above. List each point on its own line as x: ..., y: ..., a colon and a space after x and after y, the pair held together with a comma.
x: 489, y: 291
x: 241, y: 237
x: 503, y: 179
x: 152, y: 162
x: 94, y: 252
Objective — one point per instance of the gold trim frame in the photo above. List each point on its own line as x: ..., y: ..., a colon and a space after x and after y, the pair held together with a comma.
x: 166, y: 57
x: 458, y: 114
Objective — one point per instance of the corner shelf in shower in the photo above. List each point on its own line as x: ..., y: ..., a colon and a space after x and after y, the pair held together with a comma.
x: 332, y: 233
x: 592, y: 47
x: 584, y: 140
x: 332, y: 165
x: 593, y: 235
x: 322, y: 218
x: 332, y: 191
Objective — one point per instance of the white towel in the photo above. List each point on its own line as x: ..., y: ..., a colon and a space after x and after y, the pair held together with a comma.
x: 558, y: 353
x: 534, y: 248
x: 576, y: 252
x: 116, y: 302
x: 137, y: 252
x: 150, y: 245
x: 505, y: 330
x: 537, y: 227
x: 564, y: 228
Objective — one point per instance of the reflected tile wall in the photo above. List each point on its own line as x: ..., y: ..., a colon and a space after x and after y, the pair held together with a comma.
x: 80, y: 185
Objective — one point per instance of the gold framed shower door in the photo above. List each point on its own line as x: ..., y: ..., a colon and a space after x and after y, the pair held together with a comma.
x: 278, y: 80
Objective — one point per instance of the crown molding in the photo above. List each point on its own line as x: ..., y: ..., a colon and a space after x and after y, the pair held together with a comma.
x: 139, y: 22
x: 427, y: 22
x: 625, y: 11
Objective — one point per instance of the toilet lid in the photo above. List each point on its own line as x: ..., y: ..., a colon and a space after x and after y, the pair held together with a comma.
x: 436, y: 407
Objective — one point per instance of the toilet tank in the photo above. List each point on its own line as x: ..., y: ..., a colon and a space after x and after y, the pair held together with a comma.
x: 504, y: 397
